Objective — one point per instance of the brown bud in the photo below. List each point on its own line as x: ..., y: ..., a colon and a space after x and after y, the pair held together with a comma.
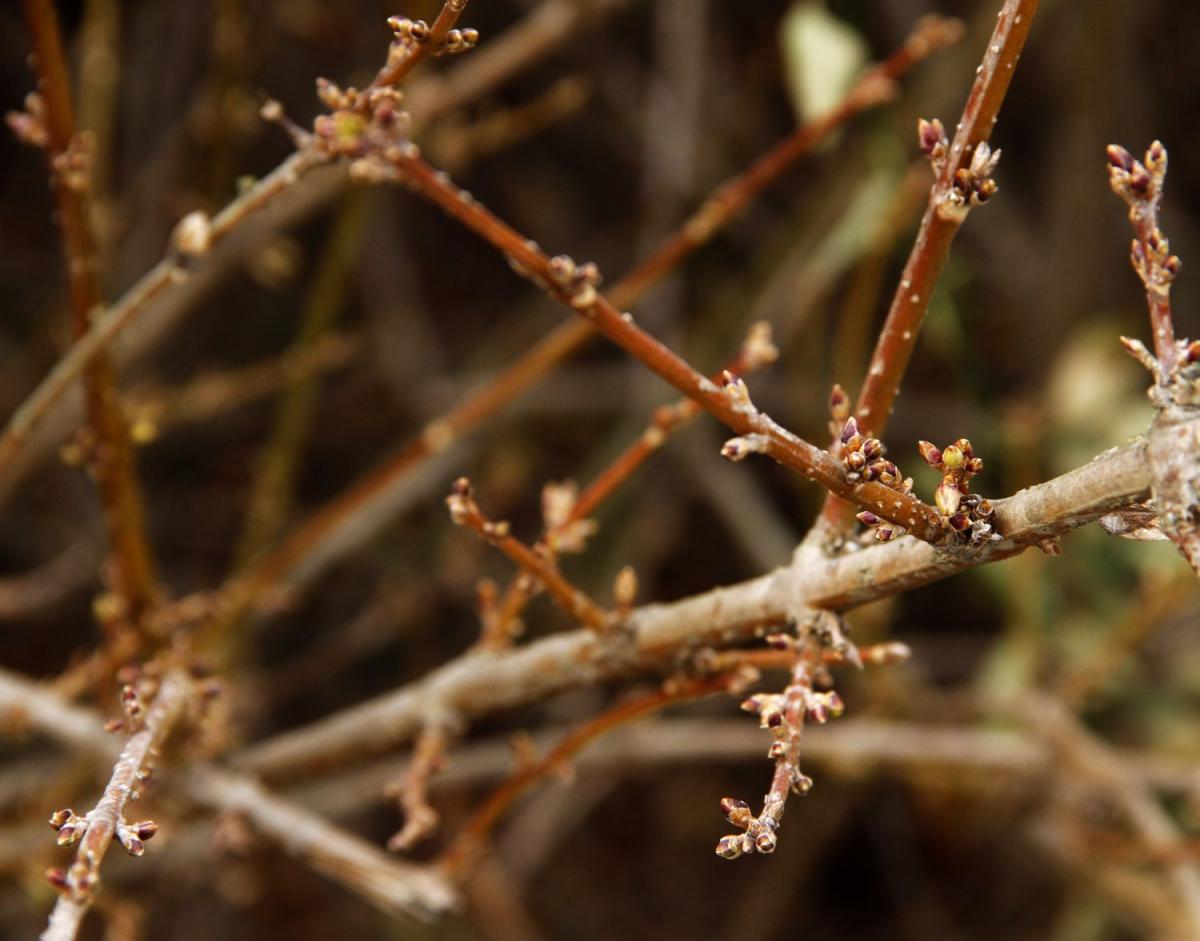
x: 736, y: 811
x: 850, y: 430
x: 765, y: 841
x: 1156, y: 158
x: 729, y: 847
x: 931, y: 454
x: 872, y: 449
x: 57, y: 877
x: 884, y: 533
x: 856, y: 461
x: 867, y: 518
x: 1119, y: 157
x: 1140, y: 180
x: 959, y: 522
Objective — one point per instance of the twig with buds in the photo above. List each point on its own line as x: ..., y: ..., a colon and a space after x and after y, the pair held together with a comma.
x: 808, y: 697
x: 96, y: 830
x: 49, y: 123
x: 964, y: 179
x: 464, y: 511
x: 1173, y: 441
x: 411, y: 791
x: 730, y: 199
x: 469, y: 687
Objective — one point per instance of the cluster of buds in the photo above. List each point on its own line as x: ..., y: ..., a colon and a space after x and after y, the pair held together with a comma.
x: 1138, y: 182
x: 564, y: 533
x: 967, y: 514
x: 80, y: 877
x: 577, y: 282
x: 863, y: 457
x: 411, y: 33
x: 808, y: 697
x: 972, y: 184
x: 864, y: 460
x: 133, y: 708
x: 359, y: 122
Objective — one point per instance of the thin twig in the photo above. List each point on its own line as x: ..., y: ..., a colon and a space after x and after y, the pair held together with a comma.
x: 111, y: 458
x: 393, y: 886
x: 463, y: 852
x: 576, y: 604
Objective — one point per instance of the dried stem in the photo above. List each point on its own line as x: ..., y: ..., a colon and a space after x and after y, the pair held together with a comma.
x: 107, y: 819
x: 462, y: 854
x: 484, y: 682
x: 111, y: 458
x: 944, y: 215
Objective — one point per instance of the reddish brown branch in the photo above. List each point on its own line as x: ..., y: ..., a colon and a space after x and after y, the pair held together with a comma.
x: 111, y: 456
x: 574, y: 286
x: 944, y: 215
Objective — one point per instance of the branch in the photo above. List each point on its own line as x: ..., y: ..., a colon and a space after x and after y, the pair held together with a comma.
x: 291, y: 190
x: 963, y: 180
x: 96, y: 830
x: 359, y: 505
x: 50, y: 123
x: 480, y: 682
x: 347, y: 859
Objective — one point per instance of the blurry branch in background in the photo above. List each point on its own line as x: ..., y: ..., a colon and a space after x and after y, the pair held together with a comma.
x: 48, y: 122
x: 213, y: 247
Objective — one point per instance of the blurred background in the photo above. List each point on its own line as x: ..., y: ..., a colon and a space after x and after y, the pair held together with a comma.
x: 384, y: 313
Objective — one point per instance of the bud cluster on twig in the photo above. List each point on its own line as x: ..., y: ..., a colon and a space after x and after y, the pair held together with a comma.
x: 808, y: 697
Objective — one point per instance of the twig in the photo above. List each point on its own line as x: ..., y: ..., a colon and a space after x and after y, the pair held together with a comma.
x: 411, y: 790
x: 1173, y: 441
x: 347, y: 859
x: 575, y: 286
x: 416, y: 42
x: 731, y: 197
x: 963, y: 179
x: 98, y: 828
x: 291, y: 189
x: 463, y: 852
x: 575, y: 603
x: 50, y: 122
x: 481, y: 683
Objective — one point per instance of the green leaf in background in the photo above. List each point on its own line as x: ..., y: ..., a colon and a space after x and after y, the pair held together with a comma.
x: 822, y: 55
